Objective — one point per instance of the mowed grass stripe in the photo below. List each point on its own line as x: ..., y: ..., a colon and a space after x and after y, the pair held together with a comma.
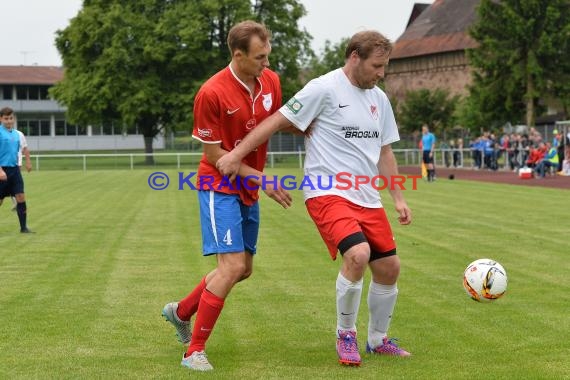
x: 469, y: 229
x: 76, y: 263
x: 84, y: 294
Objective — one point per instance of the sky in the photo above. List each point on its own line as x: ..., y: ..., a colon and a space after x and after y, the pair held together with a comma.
x: 28, y: 30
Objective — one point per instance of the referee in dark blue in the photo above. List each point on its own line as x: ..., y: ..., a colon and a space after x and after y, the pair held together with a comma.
x: 11, y: 182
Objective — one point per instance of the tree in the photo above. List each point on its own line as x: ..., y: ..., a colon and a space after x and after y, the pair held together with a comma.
x: 332, y: 57
x: 290, y: 44
x: 140, y: 62
x: 522, y: 57
x: 432, y: 108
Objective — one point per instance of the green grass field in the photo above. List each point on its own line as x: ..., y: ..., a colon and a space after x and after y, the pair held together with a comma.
x: 81, y: 298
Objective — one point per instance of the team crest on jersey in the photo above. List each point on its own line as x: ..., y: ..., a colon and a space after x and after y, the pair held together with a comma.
x: 267, y: 101
x: 205, y: 132
x: 294, y: 105
x: 251, y: 123
x: 374, y: 112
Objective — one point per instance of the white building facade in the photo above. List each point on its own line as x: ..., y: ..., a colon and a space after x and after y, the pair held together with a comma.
x: 25, y: 89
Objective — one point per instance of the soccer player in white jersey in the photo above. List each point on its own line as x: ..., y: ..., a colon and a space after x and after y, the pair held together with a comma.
x: 352, y: 127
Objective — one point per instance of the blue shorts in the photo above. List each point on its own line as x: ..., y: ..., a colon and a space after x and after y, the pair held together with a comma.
x: 14, y: 185
x: 227, y: 224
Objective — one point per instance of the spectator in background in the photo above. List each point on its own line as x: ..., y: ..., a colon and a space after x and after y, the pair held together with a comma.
x: 490, y: 158
x: 555, y: 138
x: 458, y: 153
x: 557, y: 143
x: 503, y: 146
x: 476, y: 147
x: 549, y: 160
x: 524, y: 147
x: 513, y: 152
x: 535, y: 155
x: 534, y: 136
x: 446, y: 149
x: 566, y: 162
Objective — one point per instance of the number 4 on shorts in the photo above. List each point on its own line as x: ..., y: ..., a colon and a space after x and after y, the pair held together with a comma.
x: 228, y: 238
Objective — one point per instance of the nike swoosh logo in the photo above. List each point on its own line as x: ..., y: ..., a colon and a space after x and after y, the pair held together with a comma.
x: 342, y: 106
x: 341, y: 313
x: 206, y: 330
x: 231, y: 112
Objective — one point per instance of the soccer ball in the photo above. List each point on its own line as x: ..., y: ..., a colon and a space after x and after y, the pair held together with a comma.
x: 485, y: 280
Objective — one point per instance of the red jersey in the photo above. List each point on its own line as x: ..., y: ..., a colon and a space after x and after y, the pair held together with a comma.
x: 535, y: 156
x: 224, y: 112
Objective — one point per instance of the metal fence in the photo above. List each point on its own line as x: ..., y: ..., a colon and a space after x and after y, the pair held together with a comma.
x: 285, y: 151
x: 178, y: 160
x: 125, y: 161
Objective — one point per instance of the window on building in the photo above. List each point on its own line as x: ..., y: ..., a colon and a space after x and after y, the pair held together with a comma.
x: 6, y: 92
x: 132, y: 130
x: 33, y: 128
x: 43, y: 92
x: 71, y: 129
x: 45, y: 128
x: 23, y: 127
x: 60, y: 128
x: 33, y: 93
x: 107, y: 129
x: 21, y: 92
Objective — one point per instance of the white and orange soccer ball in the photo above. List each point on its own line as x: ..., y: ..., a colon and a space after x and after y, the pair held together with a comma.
x: 485, y: 280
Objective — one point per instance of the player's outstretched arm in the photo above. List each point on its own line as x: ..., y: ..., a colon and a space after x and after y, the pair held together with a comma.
x: 229, y: 164
x: 388, y: 167
x: 214, y: 152
x: 272, y: 189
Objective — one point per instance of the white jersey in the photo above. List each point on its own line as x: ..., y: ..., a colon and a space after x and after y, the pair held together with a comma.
x: 349, y: 127
x: 23, y: 144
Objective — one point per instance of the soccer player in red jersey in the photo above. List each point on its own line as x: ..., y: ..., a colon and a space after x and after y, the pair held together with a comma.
x: 226, y: 108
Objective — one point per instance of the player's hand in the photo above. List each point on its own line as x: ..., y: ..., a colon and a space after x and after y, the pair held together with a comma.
x: 3, y: 176
x: 278, y: 194
x: 29, y: 167
x: 228, y: 166
x: 404, y: 213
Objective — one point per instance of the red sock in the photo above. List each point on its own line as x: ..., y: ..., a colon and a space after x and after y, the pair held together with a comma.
x: 189, y: 305
x: 208, y: 312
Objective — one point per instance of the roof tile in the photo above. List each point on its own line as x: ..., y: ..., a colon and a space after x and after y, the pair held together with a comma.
x: 442, y: 27
x: 35, y: 75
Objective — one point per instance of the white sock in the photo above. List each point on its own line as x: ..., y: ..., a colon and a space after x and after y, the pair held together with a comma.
x: 381, y: 302
x: 14, y: 202
x: 348, y: 296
